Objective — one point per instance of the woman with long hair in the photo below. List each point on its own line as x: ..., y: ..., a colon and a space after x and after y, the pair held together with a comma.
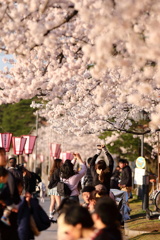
x: 72, y: 178
x: 54, y: 178
x: 102, y: 173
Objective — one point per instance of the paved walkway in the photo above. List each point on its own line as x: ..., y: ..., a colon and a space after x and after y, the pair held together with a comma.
x: 51, y: 233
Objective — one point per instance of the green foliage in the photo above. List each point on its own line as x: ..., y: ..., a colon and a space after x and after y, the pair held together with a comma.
x: 17, y: 118
x: 126, y: 146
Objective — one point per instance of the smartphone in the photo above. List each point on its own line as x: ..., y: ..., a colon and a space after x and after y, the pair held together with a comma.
x: 98, y: 145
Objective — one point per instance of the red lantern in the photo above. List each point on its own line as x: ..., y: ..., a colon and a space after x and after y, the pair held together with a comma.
x: 18, y: 145
x: 5, y: 141
x: 55, y: 150
x: 30, y: 142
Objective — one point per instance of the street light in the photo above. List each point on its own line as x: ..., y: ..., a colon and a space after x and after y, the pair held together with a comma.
x: 5, y: 140
x: 18, y: 145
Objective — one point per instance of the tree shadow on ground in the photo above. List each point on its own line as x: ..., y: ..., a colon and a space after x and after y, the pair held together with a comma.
x: 137, y: 216
x: 147, y: 236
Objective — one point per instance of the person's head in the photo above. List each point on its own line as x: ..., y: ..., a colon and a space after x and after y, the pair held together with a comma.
x: 100, y: 166
x: 77, y: 219
x: 25, y: 171
x: 3, y: 160
x: 88, y: 193
x: 67, y: 169
x: 106, y: 212
x: 3, y: 174
x: 122, y: 163
x: 12, y: 162
x: 101, y: 190
x: 101, y: 169
x: 65, y: 204
x: 56, y: 164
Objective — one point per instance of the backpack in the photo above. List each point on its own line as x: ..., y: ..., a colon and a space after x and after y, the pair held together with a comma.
x: 63, y: 189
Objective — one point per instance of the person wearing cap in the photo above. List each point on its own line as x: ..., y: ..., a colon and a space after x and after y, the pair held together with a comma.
x: 89, y: 197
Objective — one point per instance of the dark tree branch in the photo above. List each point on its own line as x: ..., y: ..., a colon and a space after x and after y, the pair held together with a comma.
x: 67, y: 19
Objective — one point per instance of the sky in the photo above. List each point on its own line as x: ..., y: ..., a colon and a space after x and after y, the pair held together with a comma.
x: 2, y: 64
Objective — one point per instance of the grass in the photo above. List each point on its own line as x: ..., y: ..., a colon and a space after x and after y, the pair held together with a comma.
x: 147, y: 236
x: 139, y: 222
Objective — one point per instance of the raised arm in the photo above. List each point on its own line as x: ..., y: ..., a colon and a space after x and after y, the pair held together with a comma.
x: 92, y: 163
x: 82, y: 165
x: 110, y: 159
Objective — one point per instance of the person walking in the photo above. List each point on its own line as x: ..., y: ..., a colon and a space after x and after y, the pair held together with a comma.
x: 102, y: 173
x: 54, y: 178
x: 30, y: 181
x: 10, y: 199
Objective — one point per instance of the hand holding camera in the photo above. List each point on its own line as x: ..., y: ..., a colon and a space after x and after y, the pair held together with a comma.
x: 101, y: 147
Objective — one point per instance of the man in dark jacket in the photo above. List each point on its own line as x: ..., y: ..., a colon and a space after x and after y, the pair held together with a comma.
x: 125, y: 177
x: 12, y: 167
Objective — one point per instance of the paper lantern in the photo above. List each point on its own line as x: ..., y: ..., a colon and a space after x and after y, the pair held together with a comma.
x: 18, y: 145
x: 5, y: 140
x: 66, y: 155
x: 55, y: 150
x: 30, y: 142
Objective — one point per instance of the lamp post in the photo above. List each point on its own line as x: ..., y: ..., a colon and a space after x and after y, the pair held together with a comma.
x: 18, y: 145
x: 5, y: 140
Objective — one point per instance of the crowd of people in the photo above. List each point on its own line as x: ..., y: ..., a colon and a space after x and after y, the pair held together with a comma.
x: 98, y: 217
x: 17, y: 188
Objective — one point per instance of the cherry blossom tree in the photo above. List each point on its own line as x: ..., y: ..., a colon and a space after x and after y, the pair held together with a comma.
x: 94, y: 63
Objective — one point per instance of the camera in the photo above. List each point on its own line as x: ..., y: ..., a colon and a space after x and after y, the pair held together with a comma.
x: 98, y: 145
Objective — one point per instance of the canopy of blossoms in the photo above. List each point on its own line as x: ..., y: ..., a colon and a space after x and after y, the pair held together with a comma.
x: 94, y: 63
